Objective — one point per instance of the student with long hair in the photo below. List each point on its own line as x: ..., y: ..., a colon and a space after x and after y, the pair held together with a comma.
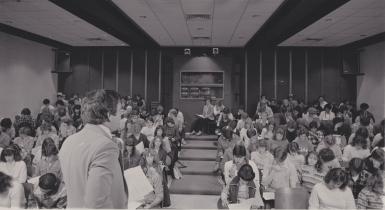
x: 326, y: 161
x: 281, y: 173
x: 49, y: 162
x: 294, y: 156
x: 11, y: 163
x: 309, y: 174
x: 151, y: 169
x: 330, y: 142
x: 241, y: 187
x: 278, y: 140
x: 131, y: 156
x: 357, y: 149
x: 262, y: 157
x: 333, y: 192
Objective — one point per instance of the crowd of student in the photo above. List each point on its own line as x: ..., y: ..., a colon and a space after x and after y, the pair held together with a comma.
x: 30, y: 148
x: 332, y: 150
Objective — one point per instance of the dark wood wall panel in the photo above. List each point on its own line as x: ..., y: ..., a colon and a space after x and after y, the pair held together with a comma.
x: 283, y: 73
x: 138, y: 81
x: 124, y: 80
x: 324, y: 74
x: 79, y: 64
x: 167, y: 85
x: 253, y: 81
x: 268, y: 73
x: 298, y: 73
x: 314, y: 74
x: 331, y: 75
x: 109, y: 72
x: 348, y: 87
x: 152, y: 75
x: 95, y: 67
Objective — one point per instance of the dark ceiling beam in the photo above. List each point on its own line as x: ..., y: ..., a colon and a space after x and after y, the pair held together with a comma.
x: 365, y: 42
x: 105, y: 15
x: 290, y: 18
x: 34, y: 37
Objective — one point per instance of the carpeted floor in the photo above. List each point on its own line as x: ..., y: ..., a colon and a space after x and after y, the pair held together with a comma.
x: 199, y: 187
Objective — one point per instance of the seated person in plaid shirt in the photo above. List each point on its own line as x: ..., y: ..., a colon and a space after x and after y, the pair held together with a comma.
x: 356, y: 165
x: 50, y: 193
x: 24, y: 119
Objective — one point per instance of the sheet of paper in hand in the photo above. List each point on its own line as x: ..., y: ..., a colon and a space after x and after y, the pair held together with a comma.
x: 133, y: 204
x: 139, y: 147
x: 200, y: 116
x: 239, y: 206
x: 137, y: 184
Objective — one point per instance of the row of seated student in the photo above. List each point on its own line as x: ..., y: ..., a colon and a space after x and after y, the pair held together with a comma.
x: 30, y: 171
x: 153, y: 140
x: 338, y: 161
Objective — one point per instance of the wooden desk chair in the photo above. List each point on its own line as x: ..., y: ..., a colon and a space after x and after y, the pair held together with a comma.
x: 291, y: 198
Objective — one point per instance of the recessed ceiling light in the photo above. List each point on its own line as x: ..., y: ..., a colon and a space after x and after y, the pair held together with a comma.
x: 143, y: 16
x: 363, y: 35
x: 328, y: 19
x: 255, y: 15
x: 9, y: 21
x: 200, y: 28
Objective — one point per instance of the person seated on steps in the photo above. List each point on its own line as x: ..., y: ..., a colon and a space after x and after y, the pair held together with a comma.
x: 204, y: 123
x: 240, y: 189
x: 224, y: 120
x: 225, y: 141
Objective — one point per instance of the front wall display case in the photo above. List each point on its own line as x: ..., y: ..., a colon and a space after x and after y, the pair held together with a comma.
x: 200, y: 85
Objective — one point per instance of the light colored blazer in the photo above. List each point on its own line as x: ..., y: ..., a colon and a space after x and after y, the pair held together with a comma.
x: 91, y: 170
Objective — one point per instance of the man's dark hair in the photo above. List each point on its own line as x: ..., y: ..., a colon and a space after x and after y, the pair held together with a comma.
x: 97, y: 104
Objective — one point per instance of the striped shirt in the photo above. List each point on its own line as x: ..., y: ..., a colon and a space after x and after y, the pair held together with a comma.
x: 369, y: 200
x: 310, y: 177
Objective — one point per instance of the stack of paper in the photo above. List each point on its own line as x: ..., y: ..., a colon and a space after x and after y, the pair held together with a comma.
x: 269, y: 195
x: 137, y: 183
x: 34, y: 181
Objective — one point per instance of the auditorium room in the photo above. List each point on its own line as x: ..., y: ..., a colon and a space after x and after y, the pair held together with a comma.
x: 192, y: 104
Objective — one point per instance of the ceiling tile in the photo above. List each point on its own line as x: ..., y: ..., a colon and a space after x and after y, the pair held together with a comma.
x: 48, y: 20
x: 344, y: 25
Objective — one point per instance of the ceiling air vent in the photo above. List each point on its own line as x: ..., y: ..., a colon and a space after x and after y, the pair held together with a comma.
x: 95, y: 39
x: 198, y: 17
x: 201, y: 38
x: 313, y: 39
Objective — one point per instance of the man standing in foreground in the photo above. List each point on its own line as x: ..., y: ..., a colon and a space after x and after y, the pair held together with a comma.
x: 90, y: 158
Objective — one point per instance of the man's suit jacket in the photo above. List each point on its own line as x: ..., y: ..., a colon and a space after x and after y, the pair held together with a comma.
x: 91, y: 170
